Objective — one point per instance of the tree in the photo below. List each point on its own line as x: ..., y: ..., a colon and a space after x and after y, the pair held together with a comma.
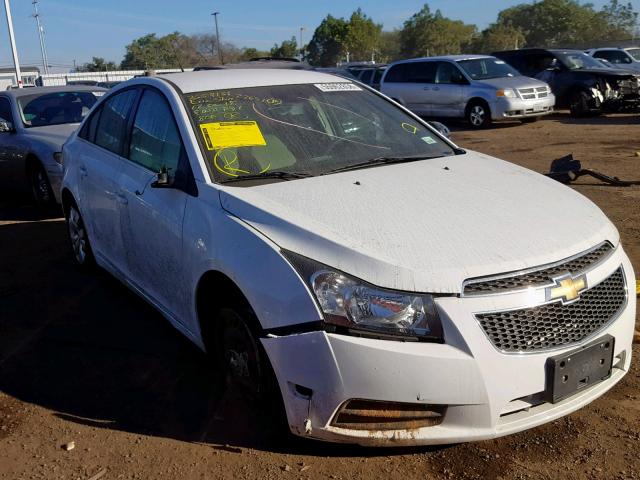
x: 621, y: 19
x: 150, y: 51
x: 496, y: 37
x: 327, y: 44
x: 287, y: 49
x: 249, y: 53
x: 427, y: 33
x: 97, y: 64
x: 363, y: 36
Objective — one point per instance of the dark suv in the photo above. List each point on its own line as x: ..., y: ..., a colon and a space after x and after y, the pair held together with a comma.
x: 579, y: 82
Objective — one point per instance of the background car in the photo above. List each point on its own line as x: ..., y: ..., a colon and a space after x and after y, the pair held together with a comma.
x: 34, y: 123
x: 579, y: 82
x: 476, y: 87
x: 617, y: 57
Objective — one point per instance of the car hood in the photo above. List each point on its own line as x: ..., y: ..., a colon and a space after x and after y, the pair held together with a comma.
x: 55, y: 135
x: 612, y: 72
x: 425, y: 226
x: 514, y: 82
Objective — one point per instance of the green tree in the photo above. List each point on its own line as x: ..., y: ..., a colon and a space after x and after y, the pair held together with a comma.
x: 249, y: 53
x: 287, y: 49
x: 97, y: 64
x: 621, y: 19
x: 427, y: 33
x: 328, y: 42
x: 496, y: 37
x: 363, y: 36
x: 389, y: 47
x: 150, y: 51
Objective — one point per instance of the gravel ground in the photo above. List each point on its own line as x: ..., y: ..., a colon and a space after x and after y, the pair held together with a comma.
x: 83, y: 360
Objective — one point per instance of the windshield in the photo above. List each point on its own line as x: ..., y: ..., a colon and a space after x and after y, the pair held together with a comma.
x: 309, y: 129
x: 578, y: 60
x: 485, y: 68
x: 55, y: 108
x: 634, y: 52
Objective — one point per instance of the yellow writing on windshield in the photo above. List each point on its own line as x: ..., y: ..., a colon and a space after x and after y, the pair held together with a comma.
x: 218, y: 135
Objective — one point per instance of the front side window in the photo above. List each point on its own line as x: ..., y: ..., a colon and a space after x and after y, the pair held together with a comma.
x: 112, y: 122
x: 56, y: 108
x: 308, y: 129
x: 155, y: 141
x: 485, y: 68
x: 5, y: 111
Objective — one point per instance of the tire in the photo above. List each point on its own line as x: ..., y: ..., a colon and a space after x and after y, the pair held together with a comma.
x: 41, y: 189
x: 530, y: 119
x: 79, y: 239
x: 243, y: 361
x: 579, y: 103
x: 478, y: 114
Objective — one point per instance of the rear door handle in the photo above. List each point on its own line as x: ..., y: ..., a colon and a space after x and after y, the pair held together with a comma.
x: 121, y: 199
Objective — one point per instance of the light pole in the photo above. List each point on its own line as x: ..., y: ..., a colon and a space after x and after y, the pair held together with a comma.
x: 43, y: 48
x: 12, y: 40
x: 301, y: 47
x: 215, y: 18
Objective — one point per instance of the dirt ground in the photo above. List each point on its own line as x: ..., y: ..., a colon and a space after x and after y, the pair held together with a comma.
x: 82, y: 359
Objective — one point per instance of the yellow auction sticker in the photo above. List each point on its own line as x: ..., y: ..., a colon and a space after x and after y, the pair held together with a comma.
x: 219, y: 135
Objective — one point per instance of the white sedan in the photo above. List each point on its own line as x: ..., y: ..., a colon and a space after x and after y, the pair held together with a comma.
x: 316, y: 236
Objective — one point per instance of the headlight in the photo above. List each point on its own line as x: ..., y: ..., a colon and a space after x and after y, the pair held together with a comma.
x: 509, y: 93
x: 348, y: 302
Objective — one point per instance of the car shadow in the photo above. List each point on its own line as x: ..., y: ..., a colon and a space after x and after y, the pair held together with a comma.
x: 21, y: 208
x: 605, y: 119
x: 85, y: 347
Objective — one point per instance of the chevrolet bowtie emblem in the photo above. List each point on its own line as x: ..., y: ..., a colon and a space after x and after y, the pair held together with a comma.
x: 566, y: 288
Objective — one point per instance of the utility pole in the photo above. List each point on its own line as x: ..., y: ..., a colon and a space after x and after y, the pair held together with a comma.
x: 301, y: 47
x: 12, y: 40
x: 215, y: 18
x: 43, y: 48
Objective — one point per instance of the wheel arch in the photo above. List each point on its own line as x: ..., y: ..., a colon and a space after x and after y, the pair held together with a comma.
x: 473, y: 101
x: 67, y: 200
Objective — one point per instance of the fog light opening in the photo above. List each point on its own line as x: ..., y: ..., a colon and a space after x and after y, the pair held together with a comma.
x: 359, y: 414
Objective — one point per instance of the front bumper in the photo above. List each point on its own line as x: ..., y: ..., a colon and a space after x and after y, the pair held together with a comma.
x: 507, y: 108
x: 486, y: 392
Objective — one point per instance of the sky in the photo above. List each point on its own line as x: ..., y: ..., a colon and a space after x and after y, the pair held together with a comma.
x: 80, y: 29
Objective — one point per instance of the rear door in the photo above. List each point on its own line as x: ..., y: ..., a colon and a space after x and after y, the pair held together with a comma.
x: 152, y: 217
x: 100, y: 166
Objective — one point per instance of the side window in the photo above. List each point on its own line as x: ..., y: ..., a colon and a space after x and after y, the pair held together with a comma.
x: 447, y: 73
x: 5, y: 111
x: 155, y: 140
x: 421, y: 72
x: 397, y: 74
x: 88, y: 131
x: 112, y: 122
x: 366, y: 77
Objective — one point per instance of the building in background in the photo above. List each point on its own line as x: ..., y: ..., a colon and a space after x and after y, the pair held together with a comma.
x: 8, y: 77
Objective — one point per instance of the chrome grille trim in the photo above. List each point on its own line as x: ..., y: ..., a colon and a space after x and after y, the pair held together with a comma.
x: 541, y: 276
x: 552, y: 326
x: 533, y: 93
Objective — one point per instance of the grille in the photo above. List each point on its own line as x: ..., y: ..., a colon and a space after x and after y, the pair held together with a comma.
x: 556, y: 325
x: 533, y: 93
x: 537, y: 278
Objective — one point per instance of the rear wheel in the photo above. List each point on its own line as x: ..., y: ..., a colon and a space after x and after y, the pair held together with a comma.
x: 478, y: 114
x: 80, y: 246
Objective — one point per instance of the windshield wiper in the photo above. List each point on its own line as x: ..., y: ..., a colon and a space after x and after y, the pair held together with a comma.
x: 280, y: 174
x: 382, y: 161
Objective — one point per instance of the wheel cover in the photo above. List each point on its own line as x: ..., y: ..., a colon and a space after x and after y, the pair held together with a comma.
x: 78, y: 235
x: 477, y: 115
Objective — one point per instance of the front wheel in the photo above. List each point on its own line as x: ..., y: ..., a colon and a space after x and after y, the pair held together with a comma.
x: 80, y: 246
x: 579, y: 103
x: 478, y: 115
x: 40, y: 187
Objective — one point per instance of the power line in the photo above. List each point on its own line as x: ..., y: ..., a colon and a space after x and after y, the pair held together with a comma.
x: 43, y: 48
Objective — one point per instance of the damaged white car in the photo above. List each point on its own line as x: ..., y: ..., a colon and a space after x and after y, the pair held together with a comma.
x: 402, y: 290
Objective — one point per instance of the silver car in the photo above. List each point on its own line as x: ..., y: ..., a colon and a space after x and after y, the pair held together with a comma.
x: 479, y: 88
x: 34, y: 123
x: 622, y: 58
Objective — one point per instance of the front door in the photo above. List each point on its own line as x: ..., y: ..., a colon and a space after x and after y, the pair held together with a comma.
x: 152, y: 224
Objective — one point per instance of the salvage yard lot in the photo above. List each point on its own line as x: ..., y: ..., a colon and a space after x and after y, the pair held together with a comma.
x: 82, y: 359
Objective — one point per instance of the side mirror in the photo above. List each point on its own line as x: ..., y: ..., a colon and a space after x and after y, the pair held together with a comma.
x: 163, y: 179
x: 5, y: 127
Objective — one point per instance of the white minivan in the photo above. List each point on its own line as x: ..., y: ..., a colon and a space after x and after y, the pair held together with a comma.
x: 310, y: 232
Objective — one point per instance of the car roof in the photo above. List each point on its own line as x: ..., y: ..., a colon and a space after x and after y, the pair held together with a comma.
x: 204, y: 80
x: 445, y: 57
x: 23, y: 92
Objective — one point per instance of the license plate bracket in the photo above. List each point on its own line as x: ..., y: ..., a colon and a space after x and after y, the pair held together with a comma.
x: 572, y: 372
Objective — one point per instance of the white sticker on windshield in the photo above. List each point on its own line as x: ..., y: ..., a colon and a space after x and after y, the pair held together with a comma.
x: 98, y: 94
x: 429, y: 140
x: 338, y: 87
x: 499, y: 62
